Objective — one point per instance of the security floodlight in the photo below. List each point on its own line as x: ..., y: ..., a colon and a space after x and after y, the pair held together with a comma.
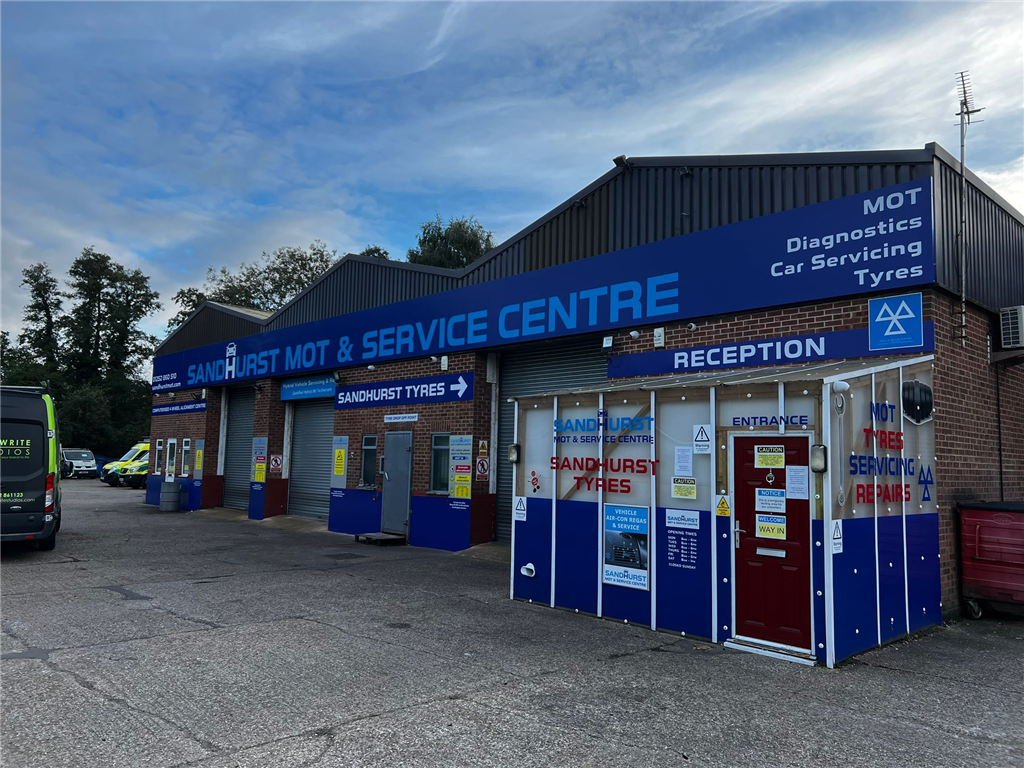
x: 634, y: 334
x: 371, y: 367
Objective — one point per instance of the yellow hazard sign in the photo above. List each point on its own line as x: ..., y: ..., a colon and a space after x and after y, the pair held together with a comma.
x: 769, y: 456
x: 339, y: 461
x: 722, y: 507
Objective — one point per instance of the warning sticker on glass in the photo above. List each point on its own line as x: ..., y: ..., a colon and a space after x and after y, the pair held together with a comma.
x: 771, y: 527
x: 769, y: 456
x: 770, y: 500
x: 684, y: 488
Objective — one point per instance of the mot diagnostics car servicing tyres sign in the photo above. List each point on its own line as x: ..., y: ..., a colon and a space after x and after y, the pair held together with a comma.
x: 868, y: 242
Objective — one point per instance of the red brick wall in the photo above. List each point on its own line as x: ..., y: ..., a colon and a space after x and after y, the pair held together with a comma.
x: 197, y: 426
x: 468, y: 418
x: 967, y: 424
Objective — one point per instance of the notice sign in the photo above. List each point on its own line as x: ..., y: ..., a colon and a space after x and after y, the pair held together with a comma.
x: 771, y: 527
x: 460, y: 479
x: 684, y: 460
x: 769, y: 456
x: 702, y: 439
x: 770, y: 500
x: 625, y: 546
x: 796, y: 482
x: 684, y: 488
x: 681, y: 547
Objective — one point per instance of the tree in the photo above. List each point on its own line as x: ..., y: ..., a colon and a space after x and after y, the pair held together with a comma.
x: 266, y: 284
x: 41, y: 314
x: 375, y: 252
x: 454, y: 246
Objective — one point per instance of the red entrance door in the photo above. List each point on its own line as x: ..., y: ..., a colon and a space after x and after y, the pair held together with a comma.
x: 773, y: 558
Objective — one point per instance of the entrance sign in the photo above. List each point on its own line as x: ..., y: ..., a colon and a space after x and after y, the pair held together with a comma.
x: 806, y: 348
x: 880, y: 240
x: 625, y: 546
x: 771, y: 527
x: 445, y: 388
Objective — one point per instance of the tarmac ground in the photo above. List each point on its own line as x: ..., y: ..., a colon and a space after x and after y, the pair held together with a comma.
x: 205, y: 639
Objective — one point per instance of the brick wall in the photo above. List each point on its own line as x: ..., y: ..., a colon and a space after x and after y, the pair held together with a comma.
x: 457, y: 418
x: 967, y: 424
x: 196, y: 426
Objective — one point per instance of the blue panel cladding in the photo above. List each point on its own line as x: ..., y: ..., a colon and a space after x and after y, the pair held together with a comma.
x: 439, y: 522
x: 818, y: 589
x: 723, y: 584
x: 577, y: 555
x: 684, y: 577
x: 195, y: 494
x: 892, y: 607
x: 354, y: 511
x: 257, y: 500
x: 153, y: 483
x: 633, y: 605
x: 533, y: 545
x: 853, y: 579
x: 924, y: 586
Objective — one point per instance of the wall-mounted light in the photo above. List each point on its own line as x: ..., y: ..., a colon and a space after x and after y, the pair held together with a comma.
x: 659, y: 337
x: 622, y: 162
x: 513, y: 453
x: 204, y: 394
x: 257, y: 387
x: 607, y: 341
x: 819, y: 458
x: 433, y: 358
x: 634, y: 334
x: 841, y: 386
x: 444, y: 362
x: 371, y: 367
x: 337, y: 378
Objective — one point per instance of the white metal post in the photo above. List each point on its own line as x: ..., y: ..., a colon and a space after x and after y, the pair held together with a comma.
x: 714, y: 516
x: 652, y: 544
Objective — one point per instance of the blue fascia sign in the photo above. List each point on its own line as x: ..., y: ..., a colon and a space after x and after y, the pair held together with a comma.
x: 868, y: 242
x: 444, y: 388
x: 188, y: 406
x: 307, y: 387
x: 806, y: 348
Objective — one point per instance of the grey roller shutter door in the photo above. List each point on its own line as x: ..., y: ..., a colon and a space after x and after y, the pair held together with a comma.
x: 238, y: 456
x: 533, y: 370
x: 309, y: 470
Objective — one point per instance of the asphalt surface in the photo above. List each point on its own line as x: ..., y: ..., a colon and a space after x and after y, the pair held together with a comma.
x: 203, y: 639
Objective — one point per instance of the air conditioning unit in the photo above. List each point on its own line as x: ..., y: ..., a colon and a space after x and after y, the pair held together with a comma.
x: 1011, y: 320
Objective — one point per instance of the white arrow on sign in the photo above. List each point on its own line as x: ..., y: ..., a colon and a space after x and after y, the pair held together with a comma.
x: 461, y: 387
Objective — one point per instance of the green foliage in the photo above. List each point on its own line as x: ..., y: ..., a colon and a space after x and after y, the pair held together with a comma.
x: 375, y: 252
x: 92, y: 355
x: 454, y: 246
x: 266, y: 284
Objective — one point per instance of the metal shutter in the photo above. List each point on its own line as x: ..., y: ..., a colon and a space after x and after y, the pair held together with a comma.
x: 533, y: 370
x: 238, y: 457
x: 309, y: 470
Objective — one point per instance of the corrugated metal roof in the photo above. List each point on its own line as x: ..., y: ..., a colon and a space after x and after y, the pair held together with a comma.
x: 654, y: 198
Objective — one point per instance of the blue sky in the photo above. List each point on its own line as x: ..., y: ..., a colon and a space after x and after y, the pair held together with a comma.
x: 177, y: 136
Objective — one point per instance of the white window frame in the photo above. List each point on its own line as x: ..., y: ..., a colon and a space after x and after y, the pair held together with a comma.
x: 157, y: 469
x: 172, y: 458
x: 186, y: 454
x: 363, y: 449
x: 446, y: 490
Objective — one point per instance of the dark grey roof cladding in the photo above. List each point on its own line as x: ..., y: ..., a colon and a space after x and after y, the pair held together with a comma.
x: 211, y: 322
x: 653, y: 198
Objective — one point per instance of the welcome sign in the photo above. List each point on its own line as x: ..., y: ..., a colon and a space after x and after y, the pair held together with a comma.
x: 872, y: 241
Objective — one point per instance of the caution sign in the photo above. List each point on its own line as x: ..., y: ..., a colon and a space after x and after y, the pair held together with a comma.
x: 519, y: 508
x: 684, y: 488
x: 482, y: 450
x: 483, y: 468
x: 769, y: 456
x: 701, y: 439
x: 837, y: 537
x: 276, y: 462
x: 722, y: 506
x: 771, y: 527
x: 199, y: 458
x: 339, y: 461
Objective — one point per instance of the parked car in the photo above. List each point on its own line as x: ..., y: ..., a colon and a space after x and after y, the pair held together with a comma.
x: 133, y: 474
x: 133, y: 454
x: 77, y: 463
x: 29, y: 471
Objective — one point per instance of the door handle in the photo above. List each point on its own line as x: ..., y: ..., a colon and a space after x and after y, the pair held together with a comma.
x: 736, y: 538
